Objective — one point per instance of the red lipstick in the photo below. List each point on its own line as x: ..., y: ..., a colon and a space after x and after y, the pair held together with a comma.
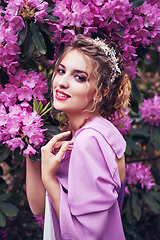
x: 60, y: 95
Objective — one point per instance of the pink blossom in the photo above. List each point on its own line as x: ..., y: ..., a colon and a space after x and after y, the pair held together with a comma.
x: 137, y: 22
x: 37, y: 138
x: 24, y: 93
x: 13, y: 125
x: 123, y: 124
x: 150, y: 110
x: 3, y: 115
x: 39, y: 16
x: 2, y: 33
x: 14, y: 143
x: 29, y: 151
x: 139, y: 174
x: 17, y: 23
x: 30, y: 79
x: 40, y: 220
x: 39, y: 91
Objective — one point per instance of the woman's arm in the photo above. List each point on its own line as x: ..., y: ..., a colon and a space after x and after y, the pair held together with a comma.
x: 50, y: 165
x: 34, y: 187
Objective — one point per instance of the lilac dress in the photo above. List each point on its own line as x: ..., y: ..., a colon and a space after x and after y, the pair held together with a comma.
x: 91, y: 192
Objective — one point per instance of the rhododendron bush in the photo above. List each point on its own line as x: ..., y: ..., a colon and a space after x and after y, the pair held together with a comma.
x: 32, y: 35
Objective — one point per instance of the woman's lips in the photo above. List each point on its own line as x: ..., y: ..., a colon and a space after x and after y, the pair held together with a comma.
x: 60, y: 95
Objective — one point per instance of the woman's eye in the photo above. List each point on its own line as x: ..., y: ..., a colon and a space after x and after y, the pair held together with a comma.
x: 80, y: 78
x: 60, y: 71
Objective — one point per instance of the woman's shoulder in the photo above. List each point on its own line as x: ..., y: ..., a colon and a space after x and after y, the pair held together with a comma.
x: 104, y: 132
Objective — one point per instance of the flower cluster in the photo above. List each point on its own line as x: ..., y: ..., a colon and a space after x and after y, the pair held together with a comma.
x: 11, y: 23
x: 8, y: 48
x: 17, y: 11
x: 40, y: 220
x: 139, y: 174
x: 18, y: 124
x: 122, y: 123
x: 23, y: 86
x: 116, y: 19
x: 150, y: 110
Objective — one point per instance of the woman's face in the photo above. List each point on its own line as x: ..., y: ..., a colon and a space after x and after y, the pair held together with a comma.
x: 72, y: 91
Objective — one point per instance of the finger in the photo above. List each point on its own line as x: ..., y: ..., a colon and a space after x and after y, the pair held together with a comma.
x: 62, y: 151
x: 56, y: 138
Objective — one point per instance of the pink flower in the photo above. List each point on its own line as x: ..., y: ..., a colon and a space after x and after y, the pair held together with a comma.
x: 137, y: 22
x: 29, y: 151
x: 138, y: 173
x: 150, y: 110
x: 17, y: 23
x: 13, y: 125
x: 14, y: 143
x: 3, y: 115
x: 24, y: 93
x: 40, y: 220
x: 123, y: 124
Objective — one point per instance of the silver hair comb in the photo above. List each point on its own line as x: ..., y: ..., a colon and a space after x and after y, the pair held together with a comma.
x: 111, y: 54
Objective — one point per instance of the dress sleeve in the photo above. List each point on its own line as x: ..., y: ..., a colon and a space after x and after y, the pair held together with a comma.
x: 92, y: 190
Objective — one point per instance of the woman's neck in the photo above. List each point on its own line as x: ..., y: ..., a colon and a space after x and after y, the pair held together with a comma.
x: 76, y: 122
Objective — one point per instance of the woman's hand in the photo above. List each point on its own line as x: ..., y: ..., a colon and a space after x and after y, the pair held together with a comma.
x: 49, y: 161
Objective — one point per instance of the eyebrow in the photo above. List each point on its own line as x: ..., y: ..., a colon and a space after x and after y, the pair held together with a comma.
x: 74, y: 70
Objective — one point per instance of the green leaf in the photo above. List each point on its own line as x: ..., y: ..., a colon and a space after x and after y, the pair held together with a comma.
x: 5, y: 196
x: 156, y: 187
x: 145, y: 127
x: 53, y: 18
x: 29, y: 52
x: 4, y: 153
x: 25, y: 46
x: 136, y: 3
x: 44, y: 109
x: 2, y: 220
x: 155, y: 194
x: 136, y: 207
x: 40, y: 106
x: 150, y: 201
x: 134, y: 105
x: 121, y: 32
x: 155, y: 137
x: 38, y: 38
x: 35, y: 105
x: 22, y: 35
x: 133, y: 146
x: 52, y: 130
x: 136, y: 94
x: 18, y: 172
x: 129, y: 228
x: 129, y: 212
x: 17, y: 156
x: 138, y: 133
x: 9, y: 209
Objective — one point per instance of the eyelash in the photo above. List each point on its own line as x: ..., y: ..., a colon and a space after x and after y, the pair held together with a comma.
x: 60, y: 71
x: 78, y: 77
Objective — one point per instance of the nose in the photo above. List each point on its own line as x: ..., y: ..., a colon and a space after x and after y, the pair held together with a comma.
x: 63, y: 81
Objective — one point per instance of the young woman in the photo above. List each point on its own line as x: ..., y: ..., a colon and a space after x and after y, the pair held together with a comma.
x: 80, y: 182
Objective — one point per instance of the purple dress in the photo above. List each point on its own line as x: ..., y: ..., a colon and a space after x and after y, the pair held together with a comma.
x: 91, y: 192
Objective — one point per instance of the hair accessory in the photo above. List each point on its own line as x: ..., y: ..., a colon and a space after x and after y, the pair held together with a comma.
x: 110, y: 53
